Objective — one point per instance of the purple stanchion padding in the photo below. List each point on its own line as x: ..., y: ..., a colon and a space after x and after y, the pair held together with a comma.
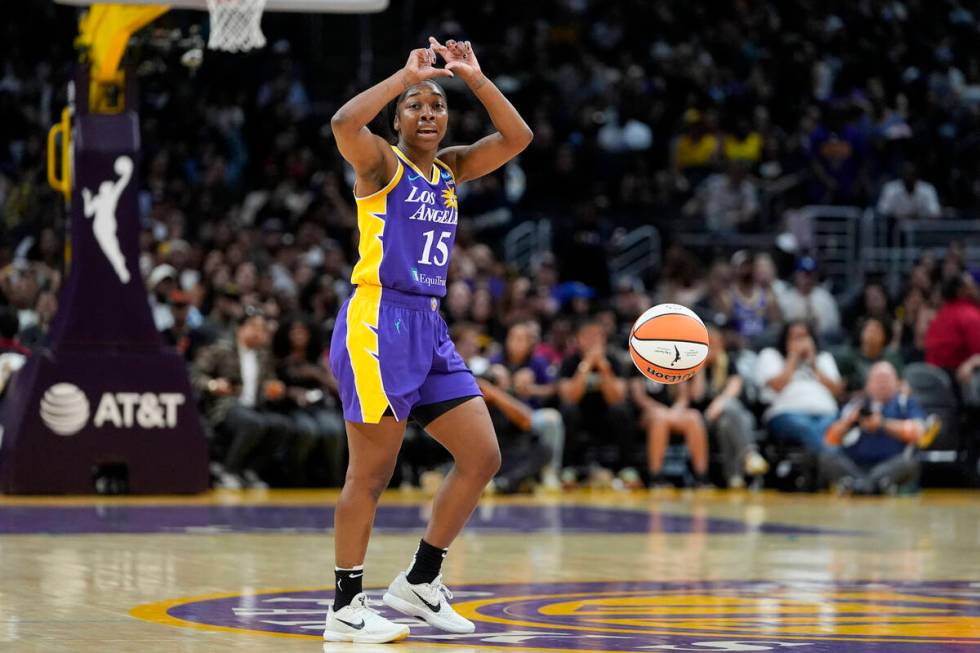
x: 106, y: 391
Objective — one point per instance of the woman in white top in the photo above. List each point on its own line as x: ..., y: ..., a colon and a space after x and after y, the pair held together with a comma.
x: 801, y: 385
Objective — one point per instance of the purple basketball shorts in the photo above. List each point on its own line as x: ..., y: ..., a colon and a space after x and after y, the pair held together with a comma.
x: 391, y: 348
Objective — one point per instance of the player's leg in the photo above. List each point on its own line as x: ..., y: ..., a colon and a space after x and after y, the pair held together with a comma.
x: 373, y: 453
x: 373, y: 442
x: 466, y: 431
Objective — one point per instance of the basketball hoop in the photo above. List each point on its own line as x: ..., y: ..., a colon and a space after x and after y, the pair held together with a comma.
x: 236, y: 25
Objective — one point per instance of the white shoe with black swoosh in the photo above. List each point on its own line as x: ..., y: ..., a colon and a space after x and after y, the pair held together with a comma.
x: 426, y: 601
x: 359, y: 623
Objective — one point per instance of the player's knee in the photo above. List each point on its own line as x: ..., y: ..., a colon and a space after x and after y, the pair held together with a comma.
x: 489, y: 462
x: 372, y: 484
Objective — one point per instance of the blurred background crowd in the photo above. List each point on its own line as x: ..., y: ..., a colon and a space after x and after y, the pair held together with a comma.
x: 722, y: 121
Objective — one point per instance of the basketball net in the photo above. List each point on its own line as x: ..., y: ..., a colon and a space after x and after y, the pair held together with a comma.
x: 236, y: 25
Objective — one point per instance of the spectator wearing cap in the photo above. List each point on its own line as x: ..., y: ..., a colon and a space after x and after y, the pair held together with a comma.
x: 800, y: 384
x: 909, y: 198
x: 953, y: 339
x: 239, y: 390
x: 808, y: 301
x: 754, y: 308
x: 162, y: 282
x: 867, y: 447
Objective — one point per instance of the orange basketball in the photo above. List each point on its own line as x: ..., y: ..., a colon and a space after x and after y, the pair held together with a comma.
x: 669, y: 343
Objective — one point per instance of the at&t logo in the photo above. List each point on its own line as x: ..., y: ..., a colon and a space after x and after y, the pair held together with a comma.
x: 64, y: 409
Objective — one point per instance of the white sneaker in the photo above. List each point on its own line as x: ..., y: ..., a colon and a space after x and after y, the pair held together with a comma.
x: 359, y: 623
x: 426, y: 601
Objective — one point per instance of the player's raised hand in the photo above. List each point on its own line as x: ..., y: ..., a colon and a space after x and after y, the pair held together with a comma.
x: 459, y: 57
x: 421, y: 66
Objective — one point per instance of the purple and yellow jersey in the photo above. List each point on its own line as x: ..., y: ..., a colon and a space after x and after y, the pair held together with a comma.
x: 407, y: 230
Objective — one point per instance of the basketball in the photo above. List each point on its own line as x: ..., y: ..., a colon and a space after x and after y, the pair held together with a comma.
x: 668, y: 343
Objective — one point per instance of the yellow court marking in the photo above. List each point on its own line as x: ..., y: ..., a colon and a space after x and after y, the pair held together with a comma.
x: 470, y: 610
x: 157, y: 613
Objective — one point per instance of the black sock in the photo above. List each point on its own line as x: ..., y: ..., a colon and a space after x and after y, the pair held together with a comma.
x: 428, y: 562
x: 348, y: 584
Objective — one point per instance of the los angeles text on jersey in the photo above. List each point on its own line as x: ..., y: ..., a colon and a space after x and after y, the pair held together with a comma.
x: 426, y: 200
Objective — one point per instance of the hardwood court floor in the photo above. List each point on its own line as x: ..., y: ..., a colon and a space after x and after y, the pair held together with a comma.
x: 650, y: 572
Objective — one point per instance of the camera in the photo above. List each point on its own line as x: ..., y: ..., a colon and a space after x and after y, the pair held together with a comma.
x: 865, y: 409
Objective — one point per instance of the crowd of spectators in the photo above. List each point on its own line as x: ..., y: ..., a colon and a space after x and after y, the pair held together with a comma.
x: 717, y: 117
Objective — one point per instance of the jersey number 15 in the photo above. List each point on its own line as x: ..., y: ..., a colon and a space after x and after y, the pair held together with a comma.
x: 442, y: 249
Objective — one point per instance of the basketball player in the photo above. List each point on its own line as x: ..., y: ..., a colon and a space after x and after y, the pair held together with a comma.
x: 391, y: 351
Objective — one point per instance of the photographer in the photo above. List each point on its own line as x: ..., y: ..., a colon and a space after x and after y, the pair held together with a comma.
x: 869, y: 441
x: 523, y: 454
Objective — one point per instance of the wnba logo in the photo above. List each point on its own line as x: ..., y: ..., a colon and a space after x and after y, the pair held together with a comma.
x: 64, y: 409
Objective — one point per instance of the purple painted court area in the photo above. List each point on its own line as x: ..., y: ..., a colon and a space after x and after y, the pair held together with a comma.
x: 908, y: 617
x: 393, y: 519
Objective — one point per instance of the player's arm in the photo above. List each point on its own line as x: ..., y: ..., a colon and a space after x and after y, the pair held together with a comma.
x: 371, y: 157
x: 512, y: 135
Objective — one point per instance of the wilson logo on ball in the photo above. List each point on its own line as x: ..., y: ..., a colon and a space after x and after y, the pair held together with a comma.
x: 668, y: 343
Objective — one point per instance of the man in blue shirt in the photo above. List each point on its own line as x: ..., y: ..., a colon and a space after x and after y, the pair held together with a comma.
x: 870, y: 443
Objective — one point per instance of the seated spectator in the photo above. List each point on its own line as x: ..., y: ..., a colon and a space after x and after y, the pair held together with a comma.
x: 532, y: 380
x: 728, y: 201
x: 180, y: 335
x: 716, y: 302
x: 867, y: 445
x: 592, y: 390
x: 13, y: 354
x: 716, y: 392
x: 660, y: 419
x: 801, y: 386
x: 808, y: 301
x: 311, y: 393
x: 695, y: 152
x: 161, y: 284
x: 953, y: 339
x: 754, y: 309
x: 873, y: 346
x: 533, y: 377
x: 36, y: 335
x: 909, y: 198
x: 237, y: 384
x: 523, y: 453
x: 227, y: 311
x: 872, y: 302
x: 743, y: 143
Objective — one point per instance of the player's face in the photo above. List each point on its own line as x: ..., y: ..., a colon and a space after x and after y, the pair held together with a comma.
x: 423, y: 116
